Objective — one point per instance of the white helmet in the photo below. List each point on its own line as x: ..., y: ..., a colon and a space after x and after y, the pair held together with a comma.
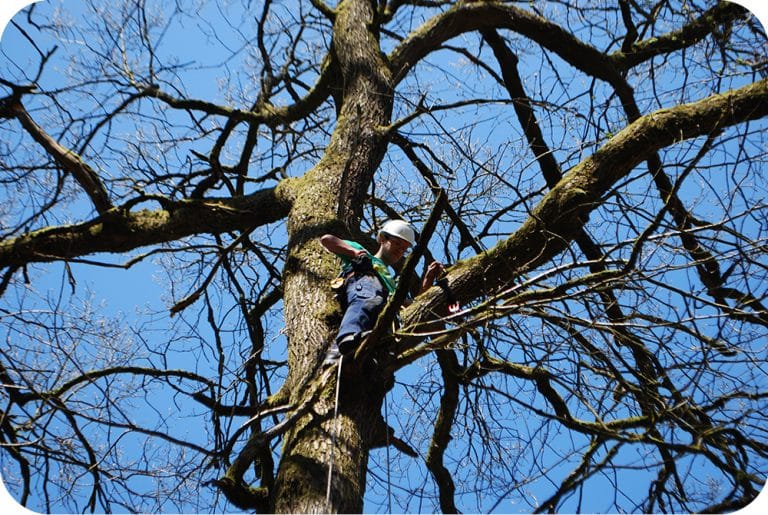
x: 399, y: 229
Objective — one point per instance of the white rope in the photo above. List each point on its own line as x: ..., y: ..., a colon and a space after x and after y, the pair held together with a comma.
x: 333, y: 436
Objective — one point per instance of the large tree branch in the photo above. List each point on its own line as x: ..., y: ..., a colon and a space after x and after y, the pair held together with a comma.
x: 650, y: 375
x: 471, y: 16
x: 11, y: 107
x: 121, y: 230
x: 264, y: 112
x: 690, y: 34
x: 563, y: 212
x: 441, y: 437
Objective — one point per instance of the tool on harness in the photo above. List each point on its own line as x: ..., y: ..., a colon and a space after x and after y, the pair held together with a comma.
x: 358, y: 266
x: 453, y: 303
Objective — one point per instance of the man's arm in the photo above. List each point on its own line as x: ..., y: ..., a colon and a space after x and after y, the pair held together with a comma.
x: 340, y: 247
x: 434, y: 270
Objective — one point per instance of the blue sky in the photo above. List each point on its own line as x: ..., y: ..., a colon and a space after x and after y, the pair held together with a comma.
x: 142, y: 296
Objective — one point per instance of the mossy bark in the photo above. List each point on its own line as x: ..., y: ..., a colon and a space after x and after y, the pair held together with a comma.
x: 329, y: 199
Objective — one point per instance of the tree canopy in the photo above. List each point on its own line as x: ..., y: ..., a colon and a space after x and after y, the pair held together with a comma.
x: 590, y: 172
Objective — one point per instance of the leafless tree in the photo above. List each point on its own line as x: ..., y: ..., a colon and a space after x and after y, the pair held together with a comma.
x: 590, y: 171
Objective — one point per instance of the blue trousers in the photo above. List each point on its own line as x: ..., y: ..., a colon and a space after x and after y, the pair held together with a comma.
x: 363, y: 299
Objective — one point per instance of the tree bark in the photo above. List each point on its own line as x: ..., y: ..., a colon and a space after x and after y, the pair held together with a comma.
x: 328, y: 199
x: 120, y: 229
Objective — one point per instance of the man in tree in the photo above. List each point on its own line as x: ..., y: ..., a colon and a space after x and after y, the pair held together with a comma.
x: 365, y: 281
x: 602, y: 165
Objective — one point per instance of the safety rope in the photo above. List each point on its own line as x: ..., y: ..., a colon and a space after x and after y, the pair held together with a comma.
x: 334, y: 430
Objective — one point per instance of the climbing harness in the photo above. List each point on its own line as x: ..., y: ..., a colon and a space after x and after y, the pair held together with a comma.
x: 334, y: 430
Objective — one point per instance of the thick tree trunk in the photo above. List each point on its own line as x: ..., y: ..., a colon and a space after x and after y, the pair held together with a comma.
x: 328, y: 199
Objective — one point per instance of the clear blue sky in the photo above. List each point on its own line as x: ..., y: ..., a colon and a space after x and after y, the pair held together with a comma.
x: 140, y: 296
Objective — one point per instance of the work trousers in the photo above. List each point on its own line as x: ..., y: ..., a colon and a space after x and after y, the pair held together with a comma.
x: 363, y: 299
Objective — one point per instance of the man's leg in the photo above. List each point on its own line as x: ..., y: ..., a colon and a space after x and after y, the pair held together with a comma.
x: 365, y: 300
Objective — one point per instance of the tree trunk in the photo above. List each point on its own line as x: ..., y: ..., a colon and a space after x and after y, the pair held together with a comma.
x: 328, y: 199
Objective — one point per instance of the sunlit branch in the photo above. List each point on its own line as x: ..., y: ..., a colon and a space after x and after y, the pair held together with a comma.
x: 131, y: 230
x: 472, y: 16
x: 84, y: 174
x: 264, y: 112
x: 708, y: 23
x: 562, y: 213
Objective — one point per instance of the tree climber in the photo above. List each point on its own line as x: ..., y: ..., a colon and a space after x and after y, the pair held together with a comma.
x: 365, y: 281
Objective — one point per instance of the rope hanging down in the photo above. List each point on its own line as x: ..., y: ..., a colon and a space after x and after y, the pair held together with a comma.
x: 384, y: 320
x: 334, y: 430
